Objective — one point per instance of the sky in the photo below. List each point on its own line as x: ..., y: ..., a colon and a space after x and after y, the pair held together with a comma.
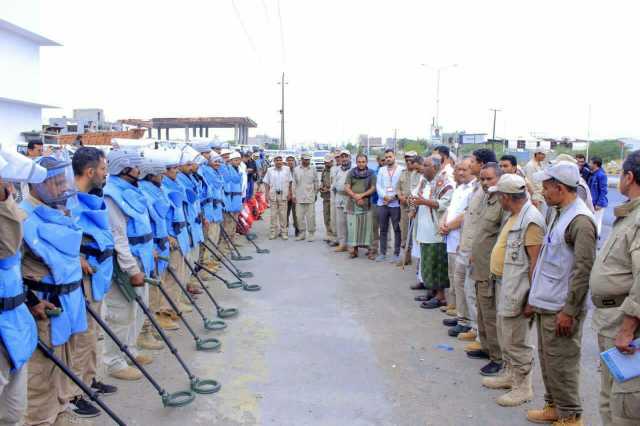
x: 353, y: 67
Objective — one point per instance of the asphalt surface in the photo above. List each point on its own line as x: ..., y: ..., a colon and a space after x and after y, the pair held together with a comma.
x: 329, y: 341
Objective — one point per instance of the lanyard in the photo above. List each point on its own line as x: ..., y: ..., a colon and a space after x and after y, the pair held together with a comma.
x: 391, y: 174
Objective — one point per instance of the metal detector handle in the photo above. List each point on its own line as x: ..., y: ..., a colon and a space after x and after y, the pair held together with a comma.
x: 151, y: 281
x: 166, y: 259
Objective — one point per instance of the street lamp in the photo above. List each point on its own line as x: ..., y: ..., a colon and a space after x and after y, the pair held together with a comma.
x: 438, y: 70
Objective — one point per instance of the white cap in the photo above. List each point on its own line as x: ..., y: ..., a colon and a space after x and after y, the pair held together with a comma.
x: 189, y: 155
x: 201, y: 146
x: 510, y: 184
x: 234, y: 154
x: 225, y: 151
x: 120, y: 159
x: 18, y: 168
x: 123, y: 143
x: 345, y: 152
x: 562, y: 171
x: 168, y: 157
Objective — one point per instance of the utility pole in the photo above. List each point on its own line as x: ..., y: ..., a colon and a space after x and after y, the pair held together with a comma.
x: 395, y: 140
x: 588, y: 131
x: 283, y: 145
x: 493, y: 137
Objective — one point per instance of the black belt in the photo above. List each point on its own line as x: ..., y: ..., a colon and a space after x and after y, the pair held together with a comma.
x: 54, y: 289
x: 134, y: 241
x: 215, y: 202
x: 233, y: 193
x: 10, y: 303
x: 198, y: 220
x: 100, y: 256
x: 177, y: 227
x: 161, y: 242
x: 604, y: 302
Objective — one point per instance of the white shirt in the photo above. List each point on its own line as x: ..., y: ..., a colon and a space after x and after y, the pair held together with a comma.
x: 278, y: 180
x: 459, y: 203
x: 243, y: 174
x: 426, y: 229
x: 447, y: 172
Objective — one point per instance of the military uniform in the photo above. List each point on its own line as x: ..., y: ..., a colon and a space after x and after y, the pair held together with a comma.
x: 305, y: 189
x: 278, y: 182
x: 489, y: 224
x: 615, y: 290
x: 325, y: 194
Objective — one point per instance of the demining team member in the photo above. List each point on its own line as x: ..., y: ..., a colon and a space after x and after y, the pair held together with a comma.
x: 133, y: 239
x: 341, y: 200
x: 179, y: 236
x: 96, y: 257
x: 558, y: 290
x: 18, y: 332
x: 389, y: 205
x: 53, y: 275
x: 227, y: 223
x: 325, y: 194
x: 212, y: 201
x: 291, y: 204
x: 278, y: 187
x: 404, y: 192
x: 235, y: 192
x: 305, y: 190
x: 513, y: 260
x: 332, y: 198
x: 151, y: 173
x: 202, y: 176
x: 615, y: 292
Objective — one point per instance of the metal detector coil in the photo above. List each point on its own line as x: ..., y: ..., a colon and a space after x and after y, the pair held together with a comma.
x: 210, y: 344
x: 205, y: 386
x: 178, y: 399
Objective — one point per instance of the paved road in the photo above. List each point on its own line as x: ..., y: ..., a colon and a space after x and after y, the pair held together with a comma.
x: 330, y: 341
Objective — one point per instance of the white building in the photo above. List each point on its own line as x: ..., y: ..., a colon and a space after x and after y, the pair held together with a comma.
x: 20, y: 42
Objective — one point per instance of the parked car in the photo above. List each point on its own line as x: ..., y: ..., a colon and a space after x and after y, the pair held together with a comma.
x: 317, y: 158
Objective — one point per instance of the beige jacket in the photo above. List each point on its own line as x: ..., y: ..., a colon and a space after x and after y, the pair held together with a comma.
x: 305, y: 184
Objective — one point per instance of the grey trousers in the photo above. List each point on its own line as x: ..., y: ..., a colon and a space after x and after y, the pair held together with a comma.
x: 341, y: 225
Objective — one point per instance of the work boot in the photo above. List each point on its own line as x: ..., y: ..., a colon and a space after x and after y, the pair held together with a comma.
x: 310, y: 237
x: 128, y: 373
x: 144, y: 359
x: 341, y: 248
x: 548, y: 414
x: 165, y: 322
x: 452, y: 312
x: 521, y: 391
x: 184, y: 307
x: 67, y: 418
x: 468, y: 336
x: 147, y: 341
x: 301, y: 236
x: 574, y: 420
x: 272, y: 236
x: 502, y: 381
x: 473, y: 346
x: 285, y: 237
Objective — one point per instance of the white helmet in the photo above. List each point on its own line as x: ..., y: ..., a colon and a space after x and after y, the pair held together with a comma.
x: 189, y: 156
x: 59, y: 183
x: 15, y: 167
x: 120, y: 159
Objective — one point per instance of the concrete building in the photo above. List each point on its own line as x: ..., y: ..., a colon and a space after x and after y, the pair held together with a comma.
x: 20, y: 43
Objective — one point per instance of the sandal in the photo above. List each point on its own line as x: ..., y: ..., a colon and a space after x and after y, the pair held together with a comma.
x: 353, y: 254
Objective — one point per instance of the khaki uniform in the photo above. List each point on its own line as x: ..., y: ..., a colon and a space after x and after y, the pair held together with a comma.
x: 341, y: 201
x: 404, y: 190
x: 560, y: 356
x: 48, y: 389
x: 615, y: 290
x: 511, y: 263
x: 464, y: 285
x: 278, y: 182
x: 489, y: 225
x: 13, y: 385
x: 325, y: 194
x: 332, y: 200
x: 305, y: 188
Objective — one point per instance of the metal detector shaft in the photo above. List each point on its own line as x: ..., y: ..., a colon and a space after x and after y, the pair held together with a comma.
x: 206, y: 290
x: 220, y: 256
x: 406, y: 243
x: 227, y: 238
x: 48, y: 352
x: 246, y: 236
x: 234, y: 273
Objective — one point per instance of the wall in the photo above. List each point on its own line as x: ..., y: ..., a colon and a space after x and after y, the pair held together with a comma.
x: 23, y: 13
x: 16, y: 118
x: 20, y: 70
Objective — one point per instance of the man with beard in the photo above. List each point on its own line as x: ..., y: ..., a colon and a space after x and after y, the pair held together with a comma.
x: 305, y: 189
x: 389, y: 205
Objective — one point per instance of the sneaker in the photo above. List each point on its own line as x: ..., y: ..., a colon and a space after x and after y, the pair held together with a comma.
x: 450, y: 322
x: 83, y: 408
x: 491, y: 369
x: 468, y: 336
x: 453, y: 332
x: 381, y: 258
x: 478, y: 354
x: 128, y: 373
x: 103, y: 388
x: 395, y: 258
x: 451, y: 312
x: 67, y: 418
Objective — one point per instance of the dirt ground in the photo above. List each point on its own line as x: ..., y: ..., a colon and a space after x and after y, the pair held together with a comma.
x: 329, y: 341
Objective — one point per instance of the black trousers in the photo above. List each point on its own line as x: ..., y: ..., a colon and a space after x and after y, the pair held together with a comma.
x: 291, y: 209
x: 386, y: 213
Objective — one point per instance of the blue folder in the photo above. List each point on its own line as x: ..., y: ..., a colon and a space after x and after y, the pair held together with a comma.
x: 622, y: 367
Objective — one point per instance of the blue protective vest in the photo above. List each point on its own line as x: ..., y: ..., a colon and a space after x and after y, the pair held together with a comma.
x: 97, y: 246
x: 226, y: 186
x: 192, y: 210
x: 176, y: 220
x: 159, y: 206
x: 235, y: 190
x: 206, y: 198
x: 18, y: 330
x: 56, y: 238
x: 216, y: 187
x: 133, y: 204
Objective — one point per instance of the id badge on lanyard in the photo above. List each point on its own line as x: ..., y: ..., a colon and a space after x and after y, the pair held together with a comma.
x: 390, y: 187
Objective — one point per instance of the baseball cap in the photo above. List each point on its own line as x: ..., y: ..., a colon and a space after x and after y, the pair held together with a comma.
x: 277, y: 156
x: 234, y: 154
x: 225, y: 151
x: 562, y: 171
x: 510, y: 184
x: 410, y: 154
x: 564, y: 157
x: 328, y: 158
x: 306, y: 156
x: 345, y: 152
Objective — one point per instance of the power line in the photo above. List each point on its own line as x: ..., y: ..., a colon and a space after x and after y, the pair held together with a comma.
x: 284, y: 52
x: 244, y: 28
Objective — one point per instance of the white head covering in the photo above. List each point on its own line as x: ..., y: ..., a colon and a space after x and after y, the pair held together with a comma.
x: 15, y: 167
x: 120, y: 159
